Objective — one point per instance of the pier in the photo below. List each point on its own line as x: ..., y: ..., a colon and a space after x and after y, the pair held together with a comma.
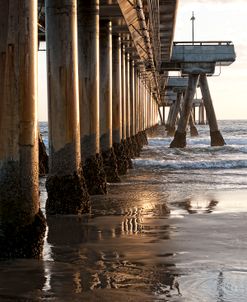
x: 108, y: 65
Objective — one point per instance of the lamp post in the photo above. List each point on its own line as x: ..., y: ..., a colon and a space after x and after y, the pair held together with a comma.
x: 193, y: 32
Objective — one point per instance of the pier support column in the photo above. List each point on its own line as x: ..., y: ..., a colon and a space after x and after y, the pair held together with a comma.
x: 156, y: 113
x: 138, y: 133
x: 108, y: 154
x: 216, y: 137
x: 67, y: 193
x: 132, y: 99
x: 193, y: 130
x: 143, y: 113
x: 164, y: 115
x: 152, y: 122
x: 153, y: 111
x: 135, y: 148
x: 160, y: 115
x: 137, y: 106
x: 201, y: 115
x: 89, y: 73
x: 174, y: 115
x: 179, y: 140
x: 128, y: 109
x: 148, y: 109
x: 141, y: 106
x: 22, y: 224
x: 127, y: 70
x: 170, y: 114
x: 145, y: 108
x: 123, y: 90
x: 144, y: 100
x: 122, y: 162
x: 193, y: 112
x: 125, y: 97
x: 139, y: 111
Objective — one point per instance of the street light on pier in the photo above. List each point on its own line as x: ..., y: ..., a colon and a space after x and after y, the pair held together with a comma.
x: 193, y: 29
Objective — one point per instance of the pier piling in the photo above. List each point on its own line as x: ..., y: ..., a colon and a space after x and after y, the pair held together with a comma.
x: 67, y: 193
x: 107, y: 151
x: 22, y: 224
x: 193, y: 129
x: 179, y: 140
x: 174, y: 115
x: 117, y: 99
x: 89, y: 81
x: 216, y: 137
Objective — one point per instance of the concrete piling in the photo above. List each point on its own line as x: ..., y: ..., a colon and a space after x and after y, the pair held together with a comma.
x: 89, y: 77
x: 67, y: 193
x: 141, y: 135
x: 216, y: 137
x: 134, y: 145
x: 141, y: 104
x: 160, y: 115
x: 107, y: 151
x: 132, y: 98
x: 145, y: 108
x: 129, y: 108
x: 117, y: 128
x: 138, y: 102
x: 116, y: 90
x: 201, y: 120
x: 193, y: 129
x: 146, y: 112
x: 123, y: 75
x: 164, y: 115
x: 134, y: 88
x: 22, y: 224
x: 179, y: 140
x: 125, y: 104
x: 174, y: 115
x: 130, y: 152
x: 127, y: 70
x: 170, y: 114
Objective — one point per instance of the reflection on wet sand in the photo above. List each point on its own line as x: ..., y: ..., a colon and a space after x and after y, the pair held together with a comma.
x: 200, y: 204
x: 140, y: 251
x: 113, y: 252
x: 47, y: 274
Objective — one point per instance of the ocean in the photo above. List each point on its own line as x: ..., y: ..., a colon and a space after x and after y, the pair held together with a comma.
x: 174, y: 229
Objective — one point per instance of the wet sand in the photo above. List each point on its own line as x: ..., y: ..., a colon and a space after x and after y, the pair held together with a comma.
x: 131, y: 249
x: 156, y: 236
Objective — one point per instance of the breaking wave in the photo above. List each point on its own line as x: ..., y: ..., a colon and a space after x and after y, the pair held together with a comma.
x: 191, y: 165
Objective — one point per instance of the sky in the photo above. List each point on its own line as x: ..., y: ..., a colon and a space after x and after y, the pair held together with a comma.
x: 216, y: 20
